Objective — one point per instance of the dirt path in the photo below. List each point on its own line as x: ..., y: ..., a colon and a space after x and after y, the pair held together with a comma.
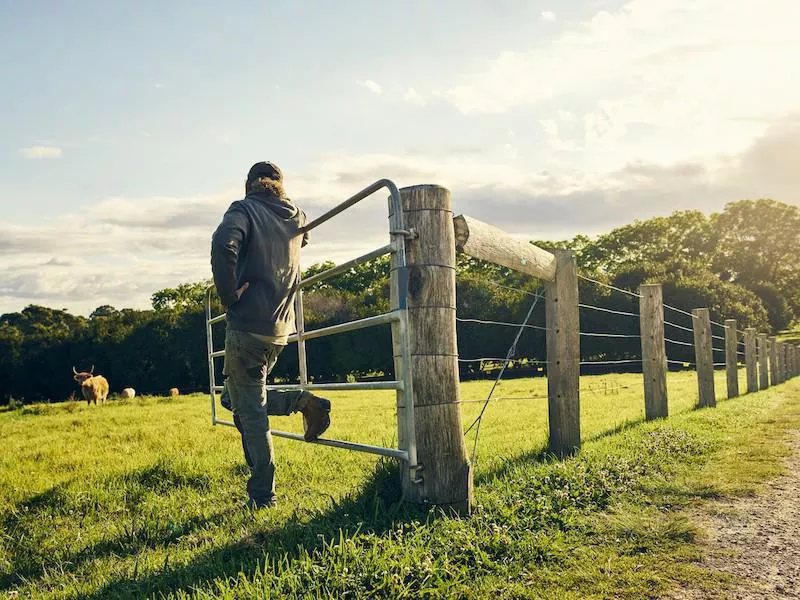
x: 758, y: 539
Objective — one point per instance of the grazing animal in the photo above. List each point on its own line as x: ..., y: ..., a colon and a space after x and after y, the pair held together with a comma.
x: 94, y: 387
x: 174, y: 392
x: 128, y: 393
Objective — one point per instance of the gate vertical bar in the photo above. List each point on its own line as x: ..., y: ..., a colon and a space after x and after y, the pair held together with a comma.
x: 654, y: 355
x: 731, y: 358
x: 704, y: 357
x: 401, y: 353
x: 300, y: 325
x: 210, y: 345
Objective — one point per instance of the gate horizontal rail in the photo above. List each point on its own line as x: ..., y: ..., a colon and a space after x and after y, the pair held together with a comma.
x: 369, y: 449
x: 346, y: 266
x: 350, y: 385
x: 381, y: 319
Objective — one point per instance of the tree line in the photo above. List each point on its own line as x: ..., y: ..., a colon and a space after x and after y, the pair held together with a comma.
x: 742, y: 263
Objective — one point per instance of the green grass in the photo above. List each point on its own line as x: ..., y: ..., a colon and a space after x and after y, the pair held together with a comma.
x: 143, y: 498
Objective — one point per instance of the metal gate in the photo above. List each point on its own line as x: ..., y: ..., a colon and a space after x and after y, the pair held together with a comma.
x: 397, y: 317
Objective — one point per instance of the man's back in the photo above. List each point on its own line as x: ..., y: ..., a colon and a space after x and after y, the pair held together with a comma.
x: 259, y: 242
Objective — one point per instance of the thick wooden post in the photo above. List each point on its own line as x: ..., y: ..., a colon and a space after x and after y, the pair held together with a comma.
x: 781, y: 361
x: 654, y: 354
x: 763, y: 362
x: 750, y: 359
x: 704, y: 357
x: 731, y: 358
x: 563, y: 357
x: 446, y: 472
x: 772, y: 348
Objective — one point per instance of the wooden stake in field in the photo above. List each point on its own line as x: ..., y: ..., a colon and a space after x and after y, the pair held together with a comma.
x: 772, y: 349
x: 731, y: 358
x: 654, y: 355
x: 704, y: 357
x: 750, y: 359
x: 785, y: 347
x: 563, y: 357
x: 431, y: 257
x: 763, y: 362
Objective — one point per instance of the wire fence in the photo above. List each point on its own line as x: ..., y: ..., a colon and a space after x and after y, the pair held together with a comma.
x: 611, y: 342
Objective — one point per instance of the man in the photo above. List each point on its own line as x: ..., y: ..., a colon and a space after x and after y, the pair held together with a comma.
x: 255, y: 259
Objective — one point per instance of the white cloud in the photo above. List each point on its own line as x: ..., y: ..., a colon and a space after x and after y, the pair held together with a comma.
x: 548, y: 15
x: 123, y: 249
x: 412, y: 96
x: 373, y: 87
x: 35, y: 152
x: 690, y: 72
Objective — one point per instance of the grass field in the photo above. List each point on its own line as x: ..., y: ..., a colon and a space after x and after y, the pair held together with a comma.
x: 143, y: 498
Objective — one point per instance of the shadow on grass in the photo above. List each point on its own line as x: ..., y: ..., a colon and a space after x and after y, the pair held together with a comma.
x: 543, y: 455
x: 26, y: 534
x: 374, y: 508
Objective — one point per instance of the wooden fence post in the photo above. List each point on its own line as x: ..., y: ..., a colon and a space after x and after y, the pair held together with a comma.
x: 431, y: 279
x: 563, y: 357
x: 763, y: 363
x: 654, y: 355
x: 772, y: 348
x: 750, y: 359
x: 787, y: 362
x: 782, y: 360
x: 731, y: 358
x: 704, y: 357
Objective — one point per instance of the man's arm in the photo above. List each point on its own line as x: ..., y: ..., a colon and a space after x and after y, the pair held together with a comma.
x: 226, y: 243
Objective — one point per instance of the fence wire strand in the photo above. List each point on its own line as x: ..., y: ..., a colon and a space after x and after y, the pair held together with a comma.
x: 676, y: 326
x: 679, y: 310
x: 679, y: 342
x: 503, y: 323
x: 511, y: 351
x: 609, y: 286
x: 608, y: 310
x: 537, y: 294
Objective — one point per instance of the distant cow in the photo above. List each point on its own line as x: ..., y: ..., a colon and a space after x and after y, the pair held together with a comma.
x: 174, y: 392
x: 94, y: 387
x: 128, y: 393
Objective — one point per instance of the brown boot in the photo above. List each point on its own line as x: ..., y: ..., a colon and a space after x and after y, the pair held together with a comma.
x: 316, y: 416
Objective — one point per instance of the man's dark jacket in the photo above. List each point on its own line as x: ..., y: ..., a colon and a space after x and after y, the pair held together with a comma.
x: 259, y: 242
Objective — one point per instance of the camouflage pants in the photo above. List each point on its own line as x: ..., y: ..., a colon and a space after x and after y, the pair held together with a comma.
x: 248, y: 361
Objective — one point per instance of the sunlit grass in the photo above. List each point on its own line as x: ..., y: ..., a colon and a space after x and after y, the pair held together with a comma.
x: 145, y: 496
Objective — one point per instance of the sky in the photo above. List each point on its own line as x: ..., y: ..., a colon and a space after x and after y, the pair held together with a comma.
x: 126, y: 129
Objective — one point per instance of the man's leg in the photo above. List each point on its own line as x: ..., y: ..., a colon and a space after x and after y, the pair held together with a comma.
x: 246, y: 365
x: 316, y: 410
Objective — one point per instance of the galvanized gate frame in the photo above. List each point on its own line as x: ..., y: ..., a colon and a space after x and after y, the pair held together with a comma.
x: 398, y: 317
